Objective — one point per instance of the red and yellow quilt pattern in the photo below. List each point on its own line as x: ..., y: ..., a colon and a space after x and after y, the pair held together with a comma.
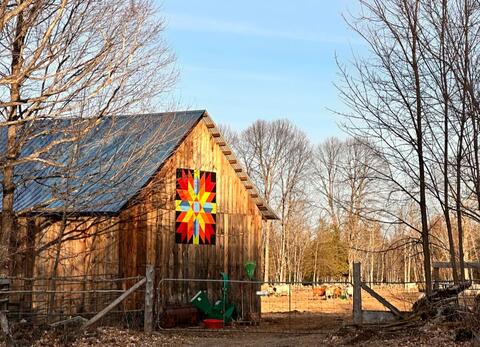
x: 195, y: 207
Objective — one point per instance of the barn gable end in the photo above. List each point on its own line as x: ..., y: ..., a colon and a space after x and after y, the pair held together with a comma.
x: 149, y: 223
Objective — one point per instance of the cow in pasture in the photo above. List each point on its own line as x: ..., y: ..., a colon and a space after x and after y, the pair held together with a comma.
x: 329, y: 292
x: 281, y: 289
x: 319, y: 291
x: 349, y: 291
x: 267, y: 289
x: 277, y: 289
x: 337, y: 292
x: 333, y: 292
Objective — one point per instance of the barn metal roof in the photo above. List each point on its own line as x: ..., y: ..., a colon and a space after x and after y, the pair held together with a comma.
x: 108, y: 166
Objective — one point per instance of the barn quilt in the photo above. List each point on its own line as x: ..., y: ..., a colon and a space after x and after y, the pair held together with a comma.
x: 195, y: 207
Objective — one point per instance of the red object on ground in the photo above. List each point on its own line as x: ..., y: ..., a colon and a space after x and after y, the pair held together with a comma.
x: 213, y: 323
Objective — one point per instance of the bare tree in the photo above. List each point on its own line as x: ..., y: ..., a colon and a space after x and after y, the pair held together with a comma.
x: 260, y: 148
x: 327, y: 164
x: 387, y: 100
x: 62, y: 59
x: 293, y: 194
x: 346, y: 178
x: 276, y: 155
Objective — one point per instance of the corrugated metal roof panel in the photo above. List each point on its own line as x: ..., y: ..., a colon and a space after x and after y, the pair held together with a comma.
x: 103, y: 170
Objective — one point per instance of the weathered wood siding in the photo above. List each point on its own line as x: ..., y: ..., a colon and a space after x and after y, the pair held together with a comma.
x: 147, y: 228
x: 87, y: 260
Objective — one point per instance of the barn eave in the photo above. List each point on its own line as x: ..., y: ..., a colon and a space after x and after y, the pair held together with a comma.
x: 266, y: 211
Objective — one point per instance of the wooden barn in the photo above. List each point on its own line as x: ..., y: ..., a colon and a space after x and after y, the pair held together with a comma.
x: 161, y: 189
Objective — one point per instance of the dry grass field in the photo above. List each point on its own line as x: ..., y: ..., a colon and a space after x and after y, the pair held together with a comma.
x: 303, y: 300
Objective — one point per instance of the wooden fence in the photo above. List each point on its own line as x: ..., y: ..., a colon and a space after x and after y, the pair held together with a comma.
x: 91, y: 298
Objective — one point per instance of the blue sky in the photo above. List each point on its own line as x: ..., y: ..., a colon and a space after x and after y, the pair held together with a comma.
x: 248, y: 60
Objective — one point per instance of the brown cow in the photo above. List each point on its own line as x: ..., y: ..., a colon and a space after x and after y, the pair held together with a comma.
x: 337, y: 292
x: 319, y: 291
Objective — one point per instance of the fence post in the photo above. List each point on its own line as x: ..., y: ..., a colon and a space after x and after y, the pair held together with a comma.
x: 5, y: 286
x: 357, y: 294
x: 148, y: 315
x: 436, y: 277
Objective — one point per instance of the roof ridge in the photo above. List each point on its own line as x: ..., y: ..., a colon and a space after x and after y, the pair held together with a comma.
x: 202, y: 111
x: 165, y: 113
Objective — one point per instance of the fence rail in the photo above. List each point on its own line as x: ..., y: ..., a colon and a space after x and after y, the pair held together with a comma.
x: 41, y: 300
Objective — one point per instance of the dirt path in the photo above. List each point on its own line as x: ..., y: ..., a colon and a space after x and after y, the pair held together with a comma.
x: 114, y: 337
x: 265, y: 340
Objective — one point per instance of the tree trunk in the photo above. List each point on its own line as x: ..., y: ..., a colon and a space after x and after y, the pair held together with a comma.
x: 420, y: 153
x: 58, y: 251
x: 315, y: 261
x: 8, y: 213
x: 446, y: 184
x: 458, y: 200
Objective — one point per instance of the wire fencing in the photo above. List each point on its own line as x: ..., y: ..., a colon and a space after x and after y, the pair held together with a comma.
x: 274, y: 306
x: 286, y: 306
x: 449, y: 302
x: 252, y: 305
x: 45, y: 300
